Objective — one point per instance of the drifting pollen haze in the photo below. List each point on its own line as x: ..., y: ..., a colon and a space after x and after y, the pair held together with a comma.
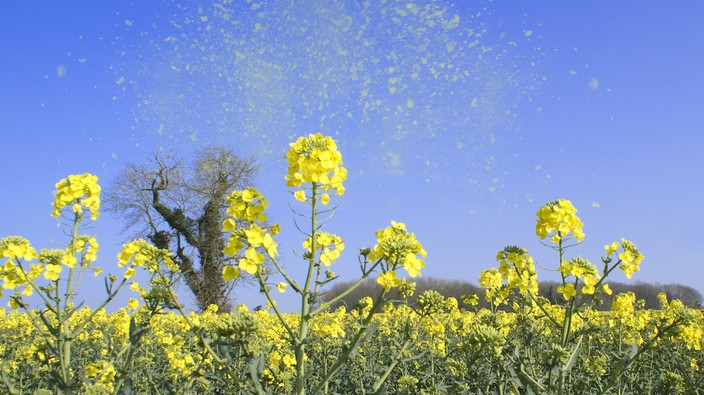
x: 459, y: 119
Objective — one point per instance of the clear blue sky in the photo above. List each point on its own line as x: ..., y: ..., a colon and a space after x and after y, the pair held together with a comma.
x: 460, y: 120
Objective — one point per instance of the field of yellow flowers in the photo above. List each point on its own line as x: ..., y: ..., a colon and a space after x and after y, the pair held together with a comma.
x: 450, y: 352
x: 522, y: 344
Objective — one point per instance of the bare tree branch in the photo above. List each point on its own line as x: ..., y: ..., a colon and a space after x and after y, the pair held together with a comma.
x: 181, y: 208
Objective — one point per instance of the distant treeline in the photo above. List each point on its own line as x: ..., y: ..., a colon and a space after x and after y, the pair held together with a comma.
x: 689, y: 296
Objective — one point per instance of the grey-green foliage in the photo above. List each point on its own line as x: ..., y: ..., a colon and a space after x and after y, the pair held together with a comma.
x: 447, y: 288
x: 647, y: 292
x: 689, y: 296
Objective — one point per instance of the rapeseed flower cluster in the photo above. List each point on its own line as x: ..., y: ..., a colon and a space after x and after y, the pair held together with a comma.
x: 174, y: 340
x: 330, y: 246
x: 630, y: 258
x: 431, y: 301
x: 434, y: 328
x: 623, y: 306
x: 282, y: 367
x: 104, y: 373
x: 51, y: 262
x: 629, y: 319
x: 140, y: 253
x: 79, y: 191
x: 495, y: 290
x: 259, y: 241
x: 560, y: 217
x: 691, y: 325
x: 692, y: 333
x: 330, y: 326
x: 583, y: 271
x: 71, y: 191
x: 395, y: 245
x: 516, y: 271
x: 248, y: 205
x: 315, y: 160
x: 487, y: 339
x: 86, y: 245
x: 17, y: 249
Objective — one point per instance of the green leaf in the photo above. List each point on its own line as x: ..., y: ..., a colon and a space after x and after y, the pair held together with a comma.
x: 573, y: 357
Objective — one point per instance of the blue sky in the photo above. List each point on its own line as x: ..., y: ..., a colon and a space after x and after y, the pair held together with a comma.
x: 459, y: 120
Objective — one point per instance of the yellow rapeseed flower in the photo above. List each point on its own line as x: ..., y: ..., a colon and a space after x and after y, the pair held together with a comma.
x: 412, y: 264
x: 623, y: 305
x: 258, y: 240
x: 132, y: 304
x: 248, y: 204
x: 630, y: 258
x: 611, y: 248
x: 78, y: 191
x: 558, y: 216
x: 567, y: 291
x: 52, y: 272
x: 250, y: 263
x: 396, y: 245
x: 330, y: 246
x: 254, y: 235
x: 16, y: 247
x: 230, y: 272
x: 315, y: 159
x: 300, y: 195
x: 130, y: 272
x: 141, y: 253
x: 388, y: 280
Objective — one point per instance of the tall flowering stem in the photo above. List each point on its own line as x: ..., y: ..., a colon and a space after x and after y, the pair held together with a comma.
x: 581, y: 281
x: 63, y: 270
x: 315, y: 175
x: 312, y: 160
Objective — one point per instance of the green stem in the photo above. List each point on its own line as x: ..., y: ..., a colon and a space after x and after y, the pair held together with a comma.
x: 79, y: 328
x: 300, y: 346
x: 532, y: 297
x: 63, y: 336
x: 294, y: 285
x: 565, y: 323
x: 568, y: 318
x: 36, y: 289
x: 347, y: 291
x: 191, y: 325
x: 352, y: 347
x: 272, y: 302
x: 397, y: 358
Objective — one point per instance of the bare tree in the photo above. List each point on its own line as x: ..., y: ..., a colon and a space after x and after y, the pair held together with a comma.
x: 181, y: 208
